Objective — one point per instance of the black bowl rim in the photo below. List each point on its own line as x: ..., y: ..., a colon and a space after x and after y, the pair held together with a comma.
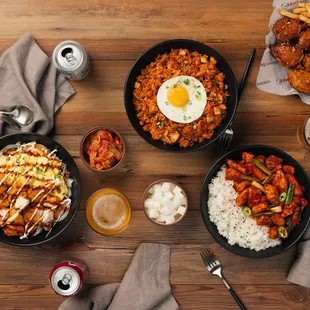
x: 78, y: 200
x: 204, y: 199
x: 206, y: 142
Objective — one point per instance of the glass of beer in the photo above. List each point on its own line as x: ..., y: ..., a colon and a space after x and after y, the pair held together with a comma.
x: 108, y: 211
x: 303, y: 133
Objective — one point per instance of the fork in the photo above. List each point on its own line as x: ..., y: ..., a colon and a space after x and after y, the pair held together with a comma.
x: 215, y: 268
x: 226, y: 138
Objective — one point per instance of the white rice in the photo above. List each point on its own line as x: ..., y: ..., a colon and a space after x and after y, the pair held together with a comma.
x: 229, y: 219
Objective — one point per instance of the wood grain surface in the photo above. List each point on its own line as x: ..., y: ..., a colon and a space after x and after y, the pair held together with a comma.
x: 114, y: 34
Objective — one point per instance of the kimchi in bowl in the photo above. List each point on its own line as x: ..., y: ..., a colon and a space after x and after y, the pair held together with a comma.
x: 102, y: 149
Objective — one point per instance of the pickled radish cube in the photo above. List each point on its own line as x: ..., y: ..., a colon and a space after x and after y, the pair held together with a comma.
x: 157, y: 196
x: 173, y: 212
x: 177, y: 190
x: 148, y: 203
x: 181, y: 210
x: 165, y: 211
x: 169, y: 219
x: 174, y: 204
x: 154, y: 214
x: 165, y: 187
x: 165, y: 201
x: 157, y: 188
x: 179, y: 198
x: 161, y: 219
x: 156, y: 205
x: 151, y: 190
x: 169, y: 195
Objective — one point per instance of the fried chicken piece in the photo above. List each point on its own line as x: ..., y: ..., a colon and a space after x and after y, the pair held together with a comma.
x: 278, y: 219
x: 306, y: 62
x: 261, y: 158
x: 240, y: 187
x: 4, y: 203
x: 276, y: 168
x: 254, y: 196
x: 242, y: 198
x: 247, y: 157
x: 11, y: 230
x: 272, y: 193
x: 260, y: 208
x: 264, y: 220
x: 292, y: 180
x: 273, y: 232
x: 295, y: 217
x: 286, y: 29
x: 280, y: 181
x: 287, y: 55
x: 3, y: 189
x: 273, y: 161
x: 237, y: 166
x: 300, y: 80
x: 232, y: 175
x: 288, y: 209
x: 258, y: 173
x: 288, y: 169
x: 304, y: 39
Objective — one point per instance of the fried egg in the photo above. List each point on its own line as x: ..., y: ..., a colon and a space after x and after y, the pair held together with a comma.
x: 182, y: 99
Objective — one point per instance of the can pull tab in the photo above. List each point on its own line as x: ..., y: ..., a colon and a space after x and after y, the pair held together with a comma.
x: 64, y: 283
x: 67, y: 53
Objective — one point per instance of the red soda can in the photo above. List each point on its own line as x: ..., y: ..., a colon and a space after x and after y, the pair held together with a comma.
x: 67, y: 278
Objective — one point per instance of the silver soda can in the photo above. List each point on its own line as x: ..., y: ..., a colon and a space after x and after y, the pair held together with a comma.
x: 67, y: 278
x: 71, y: 59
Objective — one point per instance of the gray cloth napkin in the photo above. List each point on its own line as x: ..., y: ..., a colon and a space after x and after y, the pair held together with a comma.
x: 300, y: 270
x: 28, y: 77
x: 145, y: 285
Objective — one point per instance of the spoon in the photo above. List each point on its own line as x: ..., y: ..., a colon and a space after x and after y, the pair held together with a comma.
x: 22, y: 114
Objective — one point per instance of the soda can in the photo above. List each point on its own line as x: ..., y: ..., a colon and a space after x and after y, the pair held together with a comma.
x: 71, y: 59
x: 68, y: 277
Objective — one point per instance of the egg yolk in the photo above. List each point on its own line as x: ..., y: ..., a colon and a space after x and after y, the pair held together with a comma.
x: 177, y: 96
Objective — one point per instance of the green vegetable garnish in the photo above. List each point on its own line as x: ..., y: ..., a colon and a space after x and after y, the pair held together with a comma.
x: 249, y: 178
x: 189, y: 102
x: 282, y: 197
x: 185, y: 63
x: 247, y: 211
x: 290, y: 194
x: 186, y: 81
x: 264, y: 213
x: 261, y: 166
x: 282, y: 232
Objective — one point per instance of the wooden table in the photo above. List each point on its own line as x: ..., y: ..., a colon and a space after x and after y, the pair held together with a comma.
x: 114, y: 34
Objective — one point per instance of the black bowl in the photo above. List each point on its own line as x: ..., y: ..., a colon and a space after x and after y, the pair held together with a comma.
x: 76, y: 188
x: 146, y: 58
x: 302, y: 178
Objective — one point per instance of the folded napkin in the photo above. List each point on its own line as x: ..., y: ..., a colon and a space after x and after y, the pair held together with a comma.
x: 300, y: 271
x: 28, y: 77
x: 144, y: 286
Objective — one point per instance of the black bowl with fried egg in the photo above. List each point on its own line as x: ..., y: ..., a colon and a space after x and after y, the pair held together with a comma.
x: 76, y: 189
x: 165, y: 47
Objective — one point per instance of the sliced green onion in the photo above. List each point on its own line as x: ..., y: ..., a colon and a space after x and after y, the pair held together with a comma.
x: 249, y: 178
x: 266, y: 180
x: 262, y: 167
x: 247, y: 211
x: 264, y: 213
x: 290, y: 194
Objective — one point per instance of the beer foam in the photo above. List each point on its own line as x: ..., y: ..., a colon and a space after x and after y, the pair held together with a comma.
x: 109, y: 211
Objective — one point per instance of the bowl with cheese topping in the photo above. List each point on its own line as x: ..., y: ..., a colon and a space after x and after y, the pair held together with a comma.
x: 40, y: 189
